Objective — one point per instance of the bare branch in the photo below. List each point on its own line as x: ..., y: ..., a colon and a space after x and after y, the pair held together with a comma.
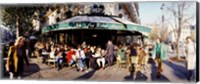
x: 187, y: 19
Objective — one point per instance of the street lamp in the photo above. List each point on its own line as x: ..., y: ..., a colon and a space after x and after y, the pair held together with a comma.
x: 162, y: 8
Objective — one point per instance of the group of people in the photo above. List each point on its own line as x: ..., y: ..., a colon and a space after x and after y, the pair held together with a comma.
x: 86, y: 57
x: 82, y: 56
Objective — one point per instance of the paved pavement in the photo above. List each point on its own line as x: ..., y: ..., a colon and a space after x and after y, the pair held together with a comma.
x: 173, y: 72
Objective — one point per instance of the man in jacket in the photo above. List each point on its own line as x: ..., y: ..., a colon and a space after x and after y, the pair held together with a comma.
x: 110, y: 53
x: 159, y: 54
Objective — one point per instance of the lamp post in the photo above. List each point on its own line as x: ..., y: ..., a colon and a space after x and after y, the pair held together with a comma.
x: 163, y: 18
x: 162, y: 26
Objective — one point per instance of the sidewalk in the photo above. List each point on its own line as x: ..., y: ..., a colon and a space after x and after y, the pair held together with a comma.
x: 173, y: 72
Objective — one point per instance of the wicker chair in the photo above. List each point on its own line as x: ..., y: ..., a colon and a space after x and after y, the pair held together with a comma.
x: 122, y: 59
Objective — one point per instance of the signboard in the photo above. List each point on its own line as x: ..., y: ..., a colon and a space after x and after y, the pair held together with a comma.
x: 83, y: 25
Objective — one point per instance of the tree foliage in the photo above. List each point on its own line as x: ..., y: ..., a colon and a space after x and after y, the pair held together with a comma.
x: 158, y: 32
x: 25, y: 14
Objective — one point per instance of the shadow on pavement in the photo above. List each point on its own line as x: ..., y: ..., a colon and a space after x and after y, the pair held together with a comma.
x: 139, y: 77
x: 129, y: 77
x: 154, y: 74
x: 86, y: 76
x: 179, y: 71
x: 34, y: 68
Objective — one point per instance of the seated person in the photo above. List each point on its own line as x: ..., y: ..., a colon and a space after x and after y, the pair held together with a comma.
x: 71, y: 57
x: 80, y: 55
x: 59, y: 58
x: 92, y: 60
x: 97, y: 55
x: 121, y: 56
x: 38, y: 48
x: 101, y: 59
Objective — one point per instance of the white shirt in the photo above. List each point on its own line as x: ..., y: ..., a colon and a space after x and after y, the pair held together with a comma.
x: 97, y: 54
x: 81, y: 52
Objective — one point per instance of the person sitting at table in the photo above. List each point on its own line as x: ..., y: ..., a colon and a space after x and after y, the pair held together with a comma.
x: 101, y: 59
x: 80, y: 55
x: 71, y: 58
x: 38, y: 47
x: 47, y: 47
x: 92, y: 61
x: 97, y: 53
x: 59, y: 57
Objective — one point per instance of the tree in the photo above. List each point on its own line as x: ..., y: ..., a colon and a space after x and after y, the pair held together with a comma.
x: 181, y: 18
x: 18, y: 18
x: 159, y: 32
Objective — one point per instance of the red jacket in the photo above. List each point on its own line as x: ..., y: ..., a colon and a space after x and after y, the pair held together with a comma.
x: 69, y: 55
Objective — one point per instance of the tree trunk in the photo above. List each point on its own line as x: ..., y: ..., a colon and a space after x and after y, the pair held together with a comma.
x: 177, y: 49
x: 17, y: 26
x: 179, y: 31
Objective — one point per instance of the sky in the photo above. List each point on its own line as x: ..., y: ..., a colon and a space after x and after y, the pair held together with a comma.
x: 150, y: 12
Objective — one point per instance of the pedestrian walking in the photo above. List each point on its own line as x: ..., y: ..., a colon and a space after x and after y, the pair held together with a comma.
x: 159, y: 54
x: 190, y: 50
x: 132, y: 59
x: 110, y: 53
x: 16, y: 58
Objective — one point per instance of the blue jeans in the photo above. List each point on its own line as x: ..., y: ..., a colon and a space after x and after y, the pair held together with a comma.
x: 72, y: 62
x: 59, y: 61
x: 80, y: 63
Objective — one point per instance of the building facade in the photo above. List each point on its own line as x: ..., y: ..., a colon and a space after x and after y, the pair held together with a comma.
x: 57, y: 13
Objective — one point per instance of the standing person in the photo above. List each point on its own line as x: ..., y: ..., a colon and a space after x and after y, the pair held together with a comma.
x: 190, y: 50
x: 173, y: 46
x: 133, y: 57
x: 159, y: 53
x: 16, y: 58
x: 110, y: 53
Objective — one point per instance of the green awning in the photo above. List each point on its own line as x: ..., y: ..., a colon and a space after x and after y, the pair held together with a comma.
x: 95, y: 22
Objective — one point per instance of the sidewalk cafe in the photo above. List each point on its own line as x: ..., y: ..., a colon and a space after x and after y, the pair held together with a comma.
x: 95, y: 30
